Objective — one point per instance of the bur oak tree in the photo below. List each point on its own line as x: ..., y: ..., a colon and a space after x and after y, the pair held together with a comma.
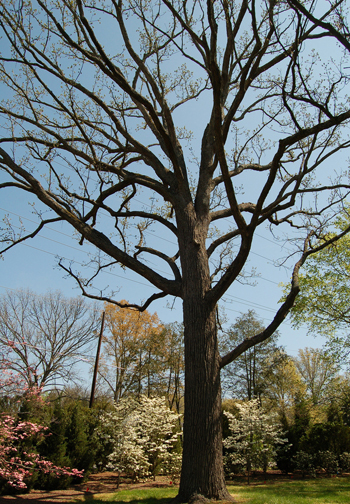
x: 97, y: 103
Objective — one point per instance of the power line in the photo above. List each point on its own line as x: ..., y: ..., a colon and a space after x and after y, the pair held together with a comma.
x: 237, y: 300
x: 154, y: 235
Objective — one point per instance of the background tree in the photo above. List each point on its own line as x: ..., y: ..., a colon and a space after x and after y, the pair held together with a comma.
x: 318, y: 372
x: 174, y: 365
x: 71, y: 441
x: 45, y: 335
x: 132, y: 351
x: 245, y: 377
x: 11, y: 383
x: 283, y: 382
x: 94, y: 124
x: 323, y: 303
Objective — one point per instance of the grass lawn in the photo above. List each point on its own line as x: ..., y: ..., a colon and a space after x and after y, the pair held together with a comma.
x: 313, y: 491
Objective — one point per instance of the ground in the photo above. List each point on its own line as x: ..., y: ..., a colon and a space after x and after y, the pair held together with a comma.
x: 107, y: 482
x: 98, y: 483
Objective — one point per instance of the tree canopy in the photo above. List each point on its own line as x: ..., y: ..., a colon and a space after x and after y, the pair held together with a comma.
x: 323, y: 302
x: 141, y: 356
x: 98, y: 99
x: 246, y: 376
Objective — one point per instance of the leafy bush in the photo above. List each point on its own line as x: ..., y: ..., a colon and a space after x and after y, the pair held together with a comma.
x: 328, y: 461
x: 304, y: 462
x: 71, y: 441
x: 344, y: 462
x: 333, y: 437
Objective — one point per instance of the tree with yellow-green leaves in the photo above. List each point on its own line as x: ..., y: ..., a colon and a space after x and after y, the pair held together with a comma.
x: 283, y: 381
x: 323, y: 304
x: 318, y: 372
x: 132, y: 355
x: 140, y: 355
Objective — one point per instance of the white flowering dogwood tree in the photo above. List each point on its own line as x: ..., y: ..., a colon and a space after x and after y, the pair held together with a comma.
x: 254, y: 437
x: 142, y: 434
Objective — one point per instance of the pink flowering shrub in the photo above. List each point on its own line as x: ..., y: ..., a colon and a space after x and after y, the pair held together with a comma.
x: 16, y: 464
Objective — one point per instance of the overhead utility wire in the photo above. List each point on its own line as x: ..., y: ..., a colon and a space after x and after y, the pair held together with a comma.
x: 146, y: 232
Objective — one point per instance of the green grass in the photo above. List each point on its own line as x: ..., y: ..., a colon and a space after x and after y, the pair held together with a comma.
x: 315, y: 491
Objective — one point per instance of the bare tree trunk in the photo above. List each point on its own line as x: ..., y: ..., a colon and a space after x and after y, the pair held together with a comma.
x: 202, y: 466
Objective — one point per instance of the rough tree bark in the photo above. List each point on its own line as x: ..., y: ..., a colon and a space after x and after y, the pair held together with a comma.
x: 202, y: 423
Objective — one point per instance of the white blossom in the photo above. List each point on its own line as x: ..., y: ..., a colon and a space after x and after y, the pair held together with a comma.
x: 142, y: 434
x: 254, y: 438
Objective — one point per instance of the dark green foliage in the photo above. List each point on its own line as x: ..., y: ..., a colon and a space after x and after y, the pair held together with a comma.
x: 71, y: 442
x: 320, y: 446
x: 54, y: 448
x: 333, y: 437
x: 285, y: 451
x: 82, y: 443
x: 328, y: 461
x: 301, y: 422
x: 301, y: 415
x: 304, y: 462
x: 294, y: 433
x: 344, y: 462
x: 334, y: 413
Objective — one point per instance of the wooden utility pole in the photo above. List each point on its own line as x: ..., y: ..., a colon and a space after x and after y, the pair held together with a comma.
x: 96, y: 362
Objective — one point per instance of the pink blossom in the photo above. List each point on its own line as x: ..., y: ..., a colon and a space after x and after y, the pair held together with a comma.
x: 15, y: 468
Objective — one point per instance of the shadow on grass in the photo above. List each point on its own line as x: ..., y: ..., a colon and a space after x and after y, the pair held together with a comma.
x: 146, y: 500
x: 135, y: 496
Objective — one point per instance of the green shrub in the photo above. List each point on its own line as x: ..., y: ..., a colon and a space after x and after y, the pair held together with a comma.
x: 328, y: 461
x: 333, y: 437
x: 344, y: 462
x: 304, y: 462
